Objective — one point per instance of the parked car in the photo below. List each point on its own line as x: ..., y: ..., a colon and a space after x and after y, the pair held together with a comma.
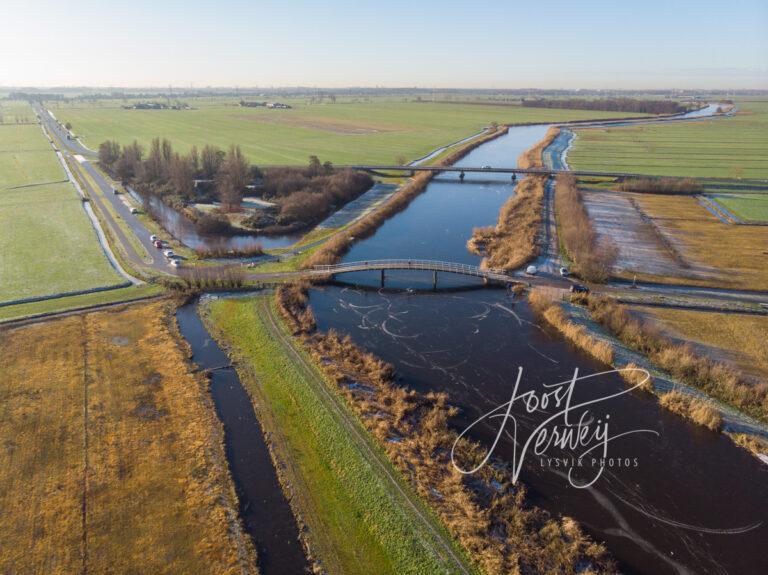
x: 531, y: 270
x: 115, y: 191
x: 158, y: 244
x: 134, y: 210
x: 153, y: 238
x: 564, y: 272
x: 176, y: 263
x: 578, y: 288
x: 168, y: 253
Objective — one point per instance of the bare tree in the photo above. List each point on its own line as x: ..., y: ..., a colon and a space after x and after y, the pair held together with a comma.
x: 210, y: 160
x: 232, y: 178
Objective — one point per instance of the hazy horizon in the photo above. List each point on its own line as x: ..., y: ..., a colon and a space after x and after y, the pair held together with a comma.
x: 660, y: 45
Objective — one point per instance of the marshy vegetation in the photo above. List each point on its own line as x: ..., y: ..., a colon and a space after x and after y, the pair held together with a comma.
x: 484, y: 511
x: 513, y: 241
x: 691, y: 408
x: 661, y: 185
x: 593, y: 258
x: 714, y: 378
x: 544, y: 304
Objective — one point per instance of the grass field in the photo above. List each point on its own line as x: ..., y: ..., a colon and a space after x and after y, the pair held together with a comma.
x: 736, y: 338
x: 112, y: 458
x: 720, y: 253
x: 750, y: 207
x: 725, y: 147
x: 357, y: 521
x: 378, y: 131
x: 26, y: 157
x: 11, y: 312
x: 16, y: 112
x: 47, y: 243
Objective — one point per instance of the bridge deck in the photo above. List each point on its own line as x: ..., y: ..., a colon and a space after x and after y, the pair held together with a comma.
x: 426, y: 265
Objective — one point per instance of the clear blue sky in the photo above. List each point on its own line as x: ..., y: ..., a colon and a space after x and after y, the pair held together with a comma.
x: 468, y: 43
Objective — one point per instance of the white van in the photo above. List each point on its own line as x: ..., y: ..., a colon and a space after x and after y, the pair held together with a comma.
x: 531, y: 270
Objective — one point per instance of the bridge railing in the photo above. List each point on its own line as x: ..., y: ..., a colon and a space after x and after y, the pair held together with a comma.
x: 418, y: 264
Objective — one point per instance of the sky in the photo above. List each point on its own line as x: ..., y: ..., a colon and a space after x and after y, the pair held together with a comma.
x: 430, y: 44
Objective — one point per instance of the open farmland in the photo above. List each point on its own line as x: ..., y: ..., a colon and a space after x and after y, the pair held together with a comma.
x: 111, y: 457
x: 378, y: 131
x: 722, y: 254
x: 47, y: 243
x: 736, y: 338
x: 16, y: 112
x: 725, y: 147
x: 26, y: 157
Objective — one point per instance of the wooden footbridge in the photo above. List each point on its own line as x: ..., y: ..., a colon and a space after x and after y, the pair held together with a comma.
x: 487, y: 275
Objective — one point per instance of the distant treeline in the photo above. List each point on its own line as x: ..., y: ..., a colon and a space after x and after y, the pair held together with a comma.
x: 632, y: 105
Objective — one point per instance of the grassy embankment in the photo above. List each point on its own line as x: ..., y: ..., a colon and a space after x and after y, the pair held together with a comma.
x: 113, y: 458
x: 47, y: 243
x: 359, y: 519
x: 488, y: 515
x: 378, y: 131
x: 514, y: 240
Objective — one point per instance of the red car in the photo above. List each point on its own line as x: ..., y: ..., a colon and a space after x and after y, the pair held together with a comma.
x: 158, y: 244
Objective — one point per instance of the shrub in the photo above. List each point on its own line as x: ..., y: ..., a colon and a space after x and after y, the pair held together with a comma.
x: 545, y: 306
x: 661, y: 185
x: 691, y: 408
x: 593, y: 260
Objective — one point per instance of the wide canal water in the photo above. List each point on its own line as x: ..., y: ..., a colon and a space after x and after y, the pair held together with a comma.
x: 675, y: 498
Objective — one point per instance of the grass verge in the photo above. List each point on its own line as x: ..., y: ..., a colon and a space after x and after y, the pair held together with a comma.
x: 359, y: 519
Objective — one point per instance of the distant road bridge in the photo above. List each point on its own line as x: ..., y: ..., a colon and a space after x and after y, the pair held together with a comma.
x: 514, y: 172
x: 487, y: 275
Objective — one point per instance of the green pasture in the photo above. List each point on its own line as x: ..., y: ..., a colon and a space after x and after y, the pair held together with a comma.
x: 724, y: 147
x: 47, y: 242
x: 376, y: 131
x: 16, y: 112
x: 48, y: 245
x: 750, y: 207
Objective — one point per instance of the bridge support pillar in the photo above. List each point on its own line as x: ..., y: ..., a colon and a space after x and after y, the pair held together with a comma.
x: 382, y: 278
x: 434, y: 280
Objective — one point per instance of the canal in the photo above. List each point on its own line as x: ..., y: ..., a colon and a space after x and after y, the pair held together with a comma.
x: 671, y: 498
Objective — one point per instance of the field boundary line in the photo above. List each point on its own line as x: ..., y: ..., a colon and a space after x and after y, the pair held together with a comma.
x: 51, y: 315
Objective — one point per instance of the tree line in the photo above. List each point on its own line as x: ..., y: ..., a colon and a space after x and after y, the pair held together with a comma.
x: 166, y: 173
x: 302, y: 195
x: 632, y: 105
